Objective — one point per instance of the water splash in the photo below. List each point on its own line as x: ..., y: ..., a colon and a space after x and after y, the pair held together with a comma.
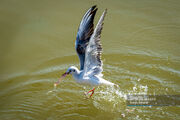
x: 113, y: 99
x: 110, y: 99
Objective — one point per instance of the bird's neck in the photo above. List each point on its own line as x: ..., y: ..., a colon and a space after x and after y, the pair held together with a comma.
x: 76, y: 75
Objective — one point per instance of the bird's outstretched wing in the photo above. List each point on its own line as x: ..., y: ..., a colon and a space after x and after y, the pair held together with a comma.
x: 84, y: 33
x: 93, y: 63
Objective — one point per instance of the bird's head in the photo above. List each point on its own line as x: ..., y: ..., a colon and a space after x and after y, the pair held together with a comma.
x: 71, y: 70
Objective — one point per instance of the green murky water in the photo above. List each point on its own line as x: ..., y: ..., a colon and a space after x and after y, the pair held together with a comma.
x: 141, y: 43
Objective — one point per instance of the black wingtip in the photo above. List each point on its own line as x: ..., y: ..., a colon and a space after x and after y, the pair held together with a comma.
x: 94, y: 6
x: 94, y: 11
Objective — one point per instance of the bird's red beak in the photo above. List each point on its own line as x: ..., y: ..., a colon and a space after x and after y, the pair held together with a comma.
x: 63, y: 75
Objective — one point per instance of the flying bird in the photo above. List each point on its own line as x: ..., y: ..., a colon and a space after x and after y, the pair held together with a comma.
x: 89, y: 49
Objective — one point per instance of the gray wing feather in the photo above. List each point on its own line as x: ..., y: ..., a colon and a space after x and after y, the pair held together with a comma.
x: 84, y: 33
x: 93, y: 63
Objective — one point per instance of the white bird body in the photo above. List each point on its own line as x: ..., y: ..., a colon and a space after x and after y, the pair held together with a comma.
x: 92, y: 80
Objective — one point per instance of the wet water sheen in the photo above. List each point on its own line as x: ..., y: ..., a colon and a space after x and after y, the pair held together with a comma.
x: 141, y: 44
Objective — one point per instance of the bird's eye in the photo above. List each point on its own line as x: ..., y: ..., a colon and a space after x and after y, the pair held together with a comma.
x: 73, y: 70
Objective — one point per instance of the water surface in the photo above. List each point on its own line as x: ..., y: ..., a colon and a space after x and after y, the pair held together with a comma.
x: 141, y: 44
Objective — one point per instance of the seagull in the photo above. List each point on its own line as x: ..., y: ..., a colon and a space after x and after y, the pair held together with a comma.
x: 89, y: 49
